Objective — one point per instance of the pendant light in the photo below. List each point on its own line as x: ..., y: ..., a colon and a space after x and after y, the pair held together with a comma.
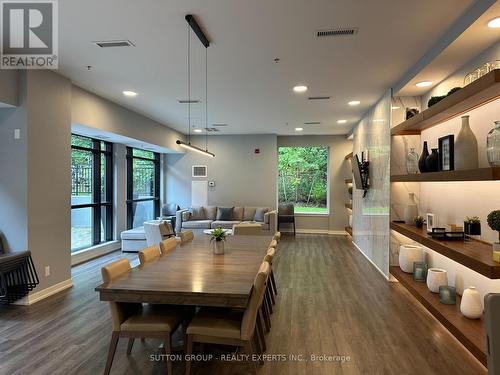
x: 203, y: 39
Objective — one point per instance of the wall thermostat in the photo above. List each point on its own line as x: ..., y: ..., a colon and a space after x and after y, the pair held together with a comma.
x: 211, y: 183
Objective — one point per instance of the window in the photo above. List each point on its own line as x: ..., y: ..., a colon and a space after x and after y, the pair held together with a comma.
x: 303, y: 178
x: 91, y: 192
x: 143, y: 186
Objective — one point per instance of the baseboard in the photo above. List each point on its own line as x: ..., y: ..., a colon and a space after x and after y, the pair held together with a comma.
x: 317, y: 231
x: 95, y: 252
x: 369, y: 260
x: 42, y: 294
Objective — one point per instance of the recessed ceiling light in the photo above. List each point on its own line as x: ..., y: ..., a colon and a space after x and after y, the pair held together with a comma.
x: 129, y: 93
x: 395, y: 107
x: 494, y: 23
x: 300, y: 88
x: 341, y: 121
x: 423, y: 84
x: 298, y: 129
x: 379, y: 120
x: 354, y: 102
x: 197, y: 130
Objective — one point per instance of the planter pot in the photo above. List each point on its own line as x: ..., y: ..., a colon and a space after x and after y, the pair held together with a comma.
x: 218, y: 247
x: 471, y: 304
x: 408, y: 254
x: 466, y: 151
x: 419, y: 225
x: 436, y: 277
x: 411, y: 209
x: 472, y: 229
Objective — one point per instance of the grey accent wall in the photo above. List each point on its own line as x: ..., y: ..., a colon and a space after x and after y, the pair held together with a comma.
x: 241, y: 176
x: 9, y: 88
x: 339, y: 170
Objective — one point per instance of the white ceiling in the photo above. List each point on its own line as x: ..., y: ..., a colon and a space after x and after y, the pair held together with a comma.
x: 247, y: 90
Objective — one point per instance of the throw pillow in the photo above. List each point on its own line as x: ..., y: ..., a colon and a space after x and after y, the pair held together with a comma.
x: 259, y: 214
x: 198, y: 213
x: 249, y: 214
x: 225, y: 213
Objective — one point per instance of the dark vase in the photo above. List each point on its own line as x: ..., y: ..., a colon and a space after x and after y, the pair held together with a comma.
x: 421, y: 161
x: 432, y: 161
x: 472, y: 229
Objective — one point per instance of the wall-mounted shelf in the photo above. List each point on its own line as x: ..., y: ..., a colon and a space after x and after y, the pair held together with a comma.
x: 348, y: 181
x: 348, y: 205
x: 470, y: 332
x: 473, y: 254
x: 349, y: 230
x: 348, y: 156
x: 480, y: 174
x: 475, y: 94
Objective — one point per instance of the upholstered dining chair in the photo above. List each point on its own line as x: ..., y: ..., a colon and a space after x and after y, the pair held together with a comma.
x: 134, y: 320
x: 186, y: 236
x: 167, y: 245
x: 247, y: 229
x: 149, y: 253
x: 220, y: 326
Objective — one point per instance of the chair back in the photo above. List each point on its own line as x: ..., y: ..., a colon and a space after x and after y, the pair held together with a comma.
x: 149, y: 253
x: 273, y: 243
x: 247, y: 229
x: 186, y: 236
x: 169, y: 209
x: 277, y: 236
x: 157, y: 231
x: 286, y: 209
x: 167, y: 245
x: 119, y: 311
x: 271, y: 252
x: 256, y: 298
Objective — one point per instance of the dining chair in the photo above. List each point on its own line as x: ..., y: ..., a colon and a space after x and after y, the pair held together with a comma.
x: 149, y: 253
x: 186, y: 236
x: 273, y: 243
x: 226, y: 327
x: 286, y: 214
x: 270, y: 257
x: 247, y: 229
x: 277, y: 236
x: 167, y: 245
x: 134, y: 320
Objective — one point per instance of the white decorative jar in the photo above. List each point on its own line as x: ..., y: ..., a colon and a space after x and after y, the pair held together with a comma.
x: 218, y: 247
x: 470, y: 306
x: 408, y: 254
x: 435, y: 278
x: 466, y: 151
x: 411, y: 209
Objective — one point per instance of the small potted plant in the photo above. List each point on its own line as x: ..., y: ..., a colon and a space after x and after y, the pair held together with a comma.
x: 218, y: 238
x: 494, y: 223
x: 418, y: 221
x: 472, y: 226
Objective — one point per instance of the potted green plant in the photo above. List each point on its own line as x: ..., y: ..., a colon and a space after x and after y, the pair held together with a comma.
x: 494, y: 223
x: 472, y: 226
x: 418, y: 221
x: 217, y: 239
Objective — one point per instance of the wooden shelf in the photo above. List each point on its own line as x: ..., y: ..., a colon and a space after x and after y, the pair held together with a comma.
x: 473, y: 254
x: 348, y: 181
x: 348, y: 205
x: 348, y: 156
x: 349, y: 230
x: 470, y: 332
x: 480, y: 174
x: 475, y: 94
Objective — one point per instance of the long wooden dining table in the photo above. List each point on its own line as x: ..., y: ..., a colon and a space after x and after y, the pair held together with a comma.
x: 191, y: 274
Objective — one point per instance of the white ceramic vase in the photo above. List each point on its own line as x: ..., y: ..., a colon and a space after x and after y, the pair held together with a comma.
x: 411, y: 209
x: 435, y: 278
x: 466, y: 152
x: 218, y: 247
x: 408, y: 254
x: 470, y: 306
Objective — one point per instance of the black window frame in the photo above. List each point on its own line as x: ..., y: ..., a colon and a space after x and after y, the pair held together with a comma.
x: 130, y: 184
x: 97, y: 201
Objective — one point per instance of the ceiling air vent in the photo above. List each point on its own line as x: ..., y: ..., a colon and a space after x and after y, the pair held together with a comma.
x: 212, y: 130
x: 114, y: 43
x: 312, y: 123
x: 319, y: 98
x: 337, y: 32
x: 199, y: 171
x: 218, y: 125
x: 187, y: 101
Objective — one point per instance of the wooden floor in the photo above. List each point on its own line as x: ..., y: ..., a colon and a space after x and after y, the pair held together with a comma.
x: 331, y: 302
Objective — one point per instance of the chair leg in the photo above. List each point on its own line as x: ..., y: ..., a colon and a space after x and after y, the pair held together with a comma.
x: 250, y: 351
x: 130, y: 344
x: 273, y: 282
x: 270, y: 292
x: 268, y: 300
x: 111, y: 353
x: 258, y: 346
x: 267, y: 320
x: 260, y: 330
x: 294, y: 227
x: 189, y: 351
x: 168, y: 351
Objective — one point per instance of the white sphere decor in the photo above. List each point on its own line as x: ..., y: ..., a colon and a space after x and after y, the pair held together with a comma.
x: 470, y: 306
x: 435, y: 278
x: 408, y: 254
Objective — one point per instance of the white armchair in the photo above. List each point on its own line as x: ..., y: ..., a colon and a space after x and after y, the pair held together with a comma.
x: 157, y: 231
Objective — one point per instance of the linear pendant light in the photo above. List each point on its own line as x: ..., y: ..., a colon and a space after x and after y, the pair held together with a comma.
x: 203, y: 39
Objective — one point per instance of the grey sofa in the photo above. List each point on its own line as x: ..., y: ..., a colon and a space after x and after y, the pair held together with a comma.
x: 211, y: 217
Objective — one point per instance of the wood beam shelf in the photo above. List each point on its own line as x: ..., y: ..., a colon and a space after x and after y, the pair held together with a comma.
x: 473, y: 254
x: 475, y: 94
x: 470, y: 332
x: 348, y: 156
x: 480, y: 174
x: 349, y: 230
x: 348, y: 205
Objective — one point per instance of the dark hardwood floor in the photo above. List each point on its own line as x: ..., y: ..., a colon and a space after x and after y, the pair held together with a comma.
x: 331, y: 302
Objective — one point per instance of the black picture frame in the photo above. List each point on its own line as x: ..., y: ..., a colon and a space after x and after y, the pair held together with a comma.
x: 447, y: 153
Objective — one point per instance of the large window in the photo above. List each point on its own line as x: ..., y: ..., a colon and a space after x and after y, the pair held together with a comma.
x: 91, y: 192
x: 303, y: 178
x: 143, y: 186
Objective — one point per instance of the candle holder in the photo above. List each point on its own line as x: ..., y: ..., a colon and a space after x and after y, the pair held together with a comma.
x: 420, y: 271
x: 447, y: 295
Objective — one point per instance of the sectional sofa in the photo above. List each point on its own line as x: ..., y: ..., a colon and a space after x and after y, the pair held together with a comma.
x: 211, y: 217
